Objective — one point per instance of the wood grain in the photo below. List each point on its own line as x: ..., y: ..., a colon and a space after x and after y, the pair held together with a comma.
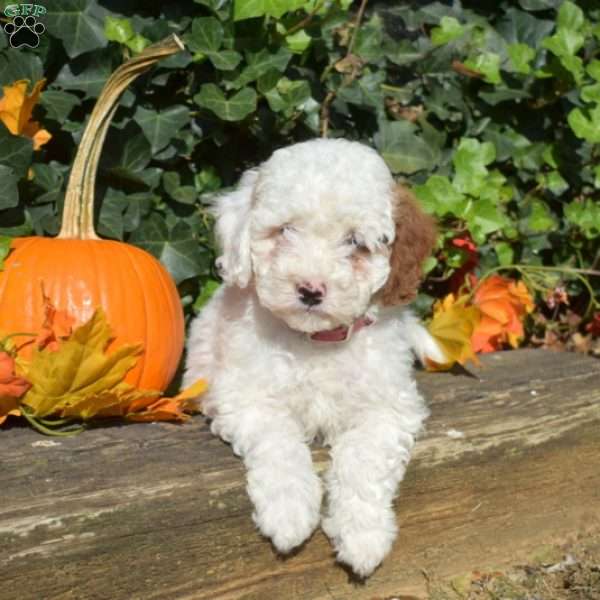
x: 160, y: 511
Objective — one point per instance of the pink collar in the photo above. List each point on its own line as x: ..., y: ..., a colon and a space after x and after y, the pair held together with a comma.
x: 341, y: 333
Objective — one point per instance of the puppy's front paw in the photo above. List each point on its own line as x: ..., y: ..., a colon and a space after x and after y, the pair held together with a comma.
x: 288, y: 514
x: 361, y: 543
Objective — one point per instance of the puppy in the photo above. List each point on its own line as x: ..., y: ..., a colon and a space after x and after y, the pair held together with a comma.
x: 307, y: 338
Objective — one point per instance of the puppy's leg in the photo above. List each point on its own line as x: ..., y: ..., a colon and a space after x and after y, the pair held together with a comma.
x: 368, y: 462
x: 282, y: 484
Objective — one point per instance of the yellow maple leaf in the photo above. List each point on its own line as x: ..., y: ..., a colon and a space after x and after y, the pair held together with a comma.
x: 16, y: 107
x: 79, y: 372
x: 452, y: 326
x: 113, y: 402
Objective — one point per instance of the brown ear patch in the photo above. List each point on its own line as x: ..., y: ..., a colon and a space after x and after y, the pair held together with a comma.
x: 415, y: 238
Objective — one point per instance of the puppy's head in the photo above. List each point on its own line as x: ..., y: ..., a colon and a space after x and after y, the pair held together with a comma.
x: 322, y: 232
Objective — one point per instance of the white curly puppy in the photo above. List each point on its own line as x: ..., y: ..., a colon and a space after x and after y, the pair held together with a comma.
x: 306, y: 339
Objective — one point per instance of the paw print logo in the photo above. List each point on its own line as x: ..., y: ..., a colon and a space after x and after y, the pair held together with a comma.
x: 24, y: 32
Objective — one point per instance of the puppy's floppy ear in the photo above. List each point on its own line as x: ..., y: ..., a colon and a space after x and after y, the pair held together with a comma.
x: 232, y: 229
x: 415, y: 238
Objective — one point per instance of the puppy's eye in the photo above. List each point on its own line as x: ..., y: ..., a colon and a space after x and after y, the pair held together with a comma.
x: 286, y: 228
x: 355, y: 241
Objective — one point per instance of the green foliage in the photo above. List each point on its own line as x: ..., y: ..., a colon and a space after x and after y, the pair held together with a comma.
x: 491, y: 110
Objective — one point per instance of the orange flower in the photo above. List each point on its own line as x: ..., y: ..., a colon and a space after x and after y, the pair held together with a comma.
x: 16, y: 107
x: 503, y: 304
x: 12, y: 387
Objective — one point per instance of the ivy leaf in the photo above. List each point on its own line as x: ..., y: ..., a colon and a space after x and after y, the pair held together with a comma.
x: 586, y: 124
x: 207, y: 180
x: 568, y: 39
x: 128, y: 152
x: 570, y: 16
x: 205, y: 40
x: 5, y: 242
x: 248, y: 9
x: 449, y: 30
x: 15, y: 66
x: 488, y: 64
x: 403, y: 150
x: 9, y: 194
x: 505, y: 253
x: 470, y: 160
x: 87, y: 73
x: 73, y: 22
x: 110, y: 222
x: 177, y: 249
x: 259, y: 63
x: 564, y: 43
x: 225, y: 60
x: 298, y: 42
x: 368, y: 43
x: 235, y: 108
x: 556, y: 183
x: 59, y: 104
x: 206, y: 35
x: 208, y: 289
x: 440, y: 197
x: 593, y: 69
x: 483, y: 217
x: 287, y: 94
x: 585, y: 215
x: 540, y: 219
x: 15, y: 151
x: 591, y: 93
x: 118, y: 30
x: 519, y: 27
x: 48, y: 177
x: 401, y: 52
x: 521, y: 55
x: 161, y: 127
x: 185, y: 194
x: 503, y: 95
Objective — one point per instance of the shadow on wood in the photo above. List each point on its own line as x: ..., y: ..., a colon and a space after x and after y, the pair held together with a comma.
x: 160, y: 511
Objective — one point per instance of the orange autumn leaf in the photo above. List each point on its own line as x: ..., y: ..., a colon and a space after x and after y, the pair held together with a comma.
x: 12, y: 387
x: 58, y: 324
x: 168, y: 409
x: 16, y: 108
x: 503, y: 304
x: 452, y: 326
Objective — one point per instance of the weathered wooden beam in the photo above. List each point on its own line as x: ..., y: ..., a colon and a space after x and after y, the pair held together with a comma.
x: 160, y: 511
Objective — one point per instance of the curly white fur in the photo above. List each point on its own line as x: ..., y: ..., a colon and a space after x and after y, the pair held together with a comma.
x: 319, y: 212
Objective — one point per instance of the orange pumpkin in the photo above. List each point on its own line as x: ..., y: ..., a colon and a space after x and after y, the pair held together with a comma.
x: 79, y: 271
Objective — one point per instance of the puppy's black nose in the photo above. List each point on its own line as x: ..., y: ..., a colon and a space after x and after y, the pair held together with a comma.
x: 309, y: 295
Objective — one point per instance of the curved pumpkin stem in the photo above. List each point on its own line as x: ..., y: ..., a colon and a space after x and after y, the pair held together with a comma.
x: 78, y: 212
